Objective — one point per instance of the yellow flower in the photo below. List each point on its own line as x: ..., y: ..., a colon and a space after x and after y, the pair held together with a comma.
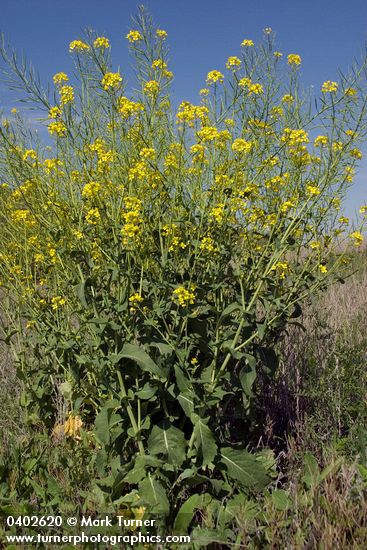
x: 356, y: 153
x: 208, y: 245
x: 66, y: 94
x: 218, y: 212
x: 214, y: 76
x: 134, y: 36
x: 241, y: 146
x: 287, y: 98
x: 343, y: 220
x: 57, y: 128
x: 350, y: 92
x: 78, y: 46
x: 57, y: 302
x: 233, y: 62
x: 72, y: 426
x: 151, y: 87
x: 93, y: 216
x: 255, y: 89
x: 160, y: 33
x: 363, y: 209
x: 320, y: 141
x: 282, y: 268
x: 60, y: 77
x: 30, y: 154
x: 294, y: 59
x: 101, y: 42
x: 91, y: 190
x: 244, y: 82
x: 134, y: 301
x: 204, y: 92
x: 247, y: 42
x: 357, y: 237
x: 111, y: 80
x: 128, y: 108
x: 209, y: 133
x: 278, y: 54
x: 54, y: 112
x: 184, y: 297
x: 14, y: 111
x: 313, y: 190
x: 329, y: 86
x: 323, y: 268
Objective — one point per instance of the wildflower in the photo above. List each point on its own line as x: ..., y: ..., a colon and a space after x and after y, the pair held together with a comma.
x: 281, y: 268
x: 57, y: 302
x: 321, y: 141
x: 162, y: 34
x: 57, y: 128
x: 214, y: 76
x: 111, y: 80
x: 278, y: 54
x: 184, y: 297
x: 128, y: 108
x: 343, y: 220
x: 241, y: 146
x: 315, y: 245
x: 244, y: 82
x: 337, y: 146
x: 159, y: 64
x: 66, y: 94
x: 287, y: 98
x: 209, y: 133
x: 51, y: 164
x: 349, y: 173
x: 78, y: 46
x: 351, y: 92
x: 72, y: 426
x: 54, y: 112
x: 134, y: 301
x: 233, y: 62
x: 218, y: 212
x: 363, y: 209
x: 58, y: 78
x: 14, y: 111
x: 357, y: 237
x: 101, y: 42
x: 194, y: 361
x: 208, y: 245
x: 329, y: 86
x: 294, y: 60
x: 91, y: 190
x: 30, y: 154
x: 134, y: 36
x: 313, y: 190
x: 323, y: 268
x: 256, y: 89
x: 151, y: 87
x: 204, y: 92
x: 93, y: 216
x: 356, y: 153
x: 247, y: 43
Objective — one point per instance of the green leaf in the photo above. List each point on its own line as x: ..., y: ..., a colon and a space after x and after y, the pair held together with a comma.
x: 204, y: 441
x: 244, y: 468
x: 187, y: 403
x: 247, y: 378
x: 186, y: 512
x: 80, y: 292
x: 103, y: 419
x: 153, y: 494
x: 281, y: 500
x: 138, y: 355
x: 167, y: 441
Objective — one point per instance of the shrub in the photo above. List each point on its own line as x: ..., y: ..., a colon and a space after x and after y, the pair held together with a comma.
x: 151, y: 260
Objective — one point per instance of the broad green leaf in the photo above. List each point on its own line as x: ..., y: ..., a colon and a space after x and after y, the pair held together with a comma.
x: 153, y: 494
x: 186, y: 512
x: 204, y: 441
x: 186, y: 401
x: 247, y: 378
x: 103, y: 419
x: 138, y: 355
x: 167, y: 441
x: 281, y: 500
x: 244, y: 468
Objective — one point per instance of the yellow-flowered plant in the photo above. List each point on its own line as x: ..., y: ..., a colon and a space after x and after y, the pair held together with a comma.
x: 153, y: 252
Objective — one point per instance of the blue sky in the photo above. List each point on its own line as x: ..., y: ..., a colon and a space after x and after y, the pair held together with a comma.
x: 328, y: 34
